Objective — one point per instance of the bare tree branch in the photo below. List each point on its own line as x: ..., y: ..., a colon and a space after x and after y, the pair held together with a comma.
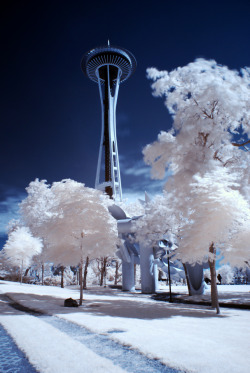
x: 217, y: 157
x: 239, y: 145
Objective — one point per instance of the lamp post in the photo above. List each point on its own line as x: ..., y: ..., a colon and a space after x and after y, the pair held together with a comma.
x: 169, y: 280
x: 167, y: 244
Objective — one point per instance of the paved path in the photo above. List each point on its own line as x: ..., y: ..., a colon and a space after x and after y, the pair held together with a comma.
x: 12, y: 360
x: 128, y: 359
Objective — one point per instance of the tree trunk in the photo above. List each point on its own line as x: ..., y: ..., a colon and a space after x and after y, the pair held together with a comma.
x: 102, y: 275
x: 169, y: 280
x: 214, y: 290
x: 103, y: 269
x: 21, y: 273
x: 81, y: 283
x: 27, y: 271
x: 117, y: 266
x: 85, y: 273
x: 187, y: 278
x: 116, y: 272
x: 62, y: 276
x: 42, y: 274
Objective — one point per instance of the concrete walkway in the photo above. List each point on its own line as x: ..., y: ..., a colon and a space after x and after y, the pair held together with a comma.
x: 12, y: 359
x: 126, y: 359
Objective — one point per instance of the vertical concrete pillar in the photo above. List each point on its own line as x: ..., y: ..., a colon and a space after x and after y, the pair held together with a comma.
x: 149, y: 278
x: 128, y: 275
x: 195, y: 278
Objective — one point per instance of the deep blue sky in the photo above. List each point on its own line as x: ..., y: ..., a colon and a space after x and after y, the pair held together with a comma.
x: 50, y: 112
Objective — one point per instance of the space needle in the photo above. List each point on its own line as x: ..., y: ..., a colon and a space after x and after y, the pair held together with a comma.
x: 108, y: 66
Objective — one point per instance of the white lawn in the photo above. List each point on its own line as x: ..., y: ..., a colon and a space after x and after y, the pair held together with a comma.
x: 192, y: 338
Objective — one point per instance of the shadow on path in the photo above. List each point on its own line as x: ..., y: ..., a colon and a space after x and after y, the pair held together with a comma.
x: 127, y: 308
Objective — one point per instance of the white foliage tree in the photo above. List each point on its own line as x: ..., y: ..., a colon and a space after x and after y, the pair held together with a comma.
x: 227, y: 274
x: 20, y: 248
x: 153, y: 225
x: 36, y: 208
x: 36, y: 213
x: 206, y: 152
x: 135, y: 208
x: 217, y: 212
x: 81, y: 225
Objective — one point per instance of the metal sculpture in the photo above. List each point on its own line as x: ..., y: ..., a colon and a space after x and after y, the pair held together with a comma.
x: 108, y: 66
x: 150, y: 258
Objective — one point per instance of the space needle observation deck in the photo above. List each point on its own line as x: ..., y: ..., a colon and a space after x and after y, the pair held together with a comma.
x: 108, y: 66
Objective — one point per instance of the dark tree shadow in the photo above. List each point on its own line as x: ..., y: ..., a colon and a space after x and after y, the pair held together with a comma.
x: 126, y: 308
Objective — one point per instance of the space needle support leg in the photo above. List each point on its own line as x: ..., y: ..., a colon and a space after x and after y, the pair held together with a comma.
x: 107, y: 110
x: 97, y: 180
x: 149, y: 278
x: 114, y: 157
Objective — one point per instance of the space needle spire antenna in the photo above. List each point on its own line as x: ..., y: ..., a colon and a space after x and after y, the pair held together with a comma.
x: 108, y: 66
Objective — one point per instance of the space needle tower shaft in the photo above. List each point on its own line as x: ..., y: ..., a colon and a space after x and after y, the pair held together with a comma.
x: 108, y: 66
